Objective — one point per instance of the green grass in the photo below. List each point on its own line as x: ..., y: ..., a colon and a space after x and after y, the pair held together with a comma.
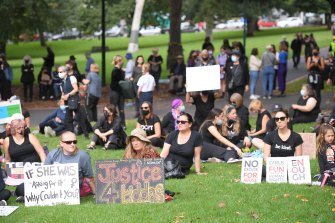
x: 63, y: 49
x: 216, y: 197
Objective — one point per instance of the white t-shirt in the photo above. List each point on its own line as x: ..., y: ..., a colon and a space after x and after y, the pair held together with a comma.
x: 73, y: 79
x: 147, y: 82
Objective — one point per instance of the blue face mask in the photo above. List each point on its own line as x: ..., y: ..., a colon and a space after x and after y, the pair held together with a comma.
x: 63, y: 107
x: 233, y: 58
x: 219, y: 122
x: 302, y: 93
x: 182, y: 108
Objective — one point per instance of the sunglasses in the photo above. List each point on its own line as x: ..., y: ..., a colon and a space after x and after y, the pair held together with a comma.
x: 70, y: 142
x: 145, y: 108
x: 181, y: 122
x: 280, y: 118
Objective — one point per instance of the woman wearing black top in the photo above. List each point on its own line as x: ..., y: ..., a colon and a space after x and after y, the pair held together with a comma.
x: 27, y: 78
x: 263, y: 116
x: 108, y: 131
x: 151, y: 124
x: 242, y: 111
x: 115, y: 95
x: 184, y: 145
x: 211, y: 131
x: 315, y: 65
x: 169, y: 122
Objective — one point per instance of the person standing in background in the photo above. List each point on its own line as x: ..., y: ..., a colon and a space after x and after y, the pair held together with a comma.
x: 296, y: 45
x: 282, y: 69
x: 155, y: 60
x: 6, y: 77
x: 49, y: 60
x: 137, y: 73
x: 129, y: 72
x: 268, y: 63
x: 88, y: 62
x: 254, y: 66
x: 27, y: 77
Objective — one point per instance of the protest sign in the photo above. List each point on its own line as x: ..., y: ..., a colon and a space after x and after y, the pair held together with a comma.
x: 15, y: 172
x: 130, y: 181
x: 203, y: 78
x: 7, y: 210
x: 51, y: 184
x: 299, y: 170
x: 276, y: 170
x: 251, y: 170
x: 8, y: 108
x: 309, y: 145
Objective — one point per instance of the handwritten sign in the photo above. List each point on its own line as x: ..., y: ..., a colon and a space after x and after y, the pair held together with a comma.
x: 130, y: 181
x: 8, y: 108
x: 7, y: 210
x: 299, y: 170
x: 251, y: 170
x: 309, y: 145
x: 51, y: 184
x: 202, y: 78
x: 276, y: 170
x: 15, y: 172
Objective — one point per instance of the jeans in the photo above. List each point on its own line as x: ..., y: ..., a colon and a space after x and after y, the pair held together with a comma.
x: 268, y: 75
x: 146, y: 96
x: 253, y: 80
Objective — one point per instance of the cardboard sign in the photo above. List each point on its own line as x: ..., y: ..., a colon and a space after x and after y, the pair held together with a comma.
x: 276, y: 170
x: 299, y: 170
x: 130, y: 181
x: 7, y: 210
x: 51, y: 184
x: 8, y: 108
x: 251, y: 170
x: 202, y: 78
x: 309, y: 145
x: 15, y: 172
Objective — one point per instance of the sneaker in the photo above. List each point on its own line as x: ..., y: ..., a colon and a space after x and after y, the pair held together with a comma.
x: 89, y: 147
x: 3, y: 203
x: 252, y: 97
x: 231, y: 160
x: 256, y: 96
x: 264, y: 97
x: 20, y: 199
x: 48, y: 130
x: 269, y: 97
x: 214, y: 160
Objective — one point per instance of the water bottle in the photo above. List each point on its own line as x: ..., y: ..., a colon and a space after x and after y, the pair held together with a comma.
x: 45, y: 148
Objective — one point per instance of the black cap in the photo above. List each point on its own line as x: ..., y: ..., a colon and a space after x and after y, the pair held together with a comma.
x: 72, y: 57
x: 276, y: 107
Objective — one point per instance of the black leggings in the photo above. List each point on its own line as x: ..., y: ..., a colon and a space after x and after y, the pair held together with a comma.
x: 210, y: 150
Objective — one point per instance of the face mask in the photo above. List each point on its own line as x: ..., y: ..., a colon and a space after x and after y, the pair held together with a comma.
x: 63, y: 107
x: 210, y: 52
x: 26, y: 61
x: 145, y: 112
x: 230, y: 122
x: 302, y: 93
x: 61, y: 75
x: 219, y: 122
x: 233, y: 58
x: 182, y: 108
x: 315, y: 54
x: 106, y: 114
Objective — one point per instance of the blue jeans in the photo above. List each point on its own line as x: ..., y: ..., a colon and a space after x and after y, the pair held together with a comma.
x: 253, y: 81
x: 268, y: 75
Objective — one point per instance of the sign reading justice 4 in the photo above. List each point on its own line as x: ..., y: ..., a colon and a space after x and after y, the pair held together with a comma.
x: 130, y: 181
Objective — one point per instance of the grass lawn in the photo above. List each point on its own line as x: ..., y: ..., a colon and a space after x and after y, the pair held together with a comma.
x: 63, y: 49
x: 216, y: 197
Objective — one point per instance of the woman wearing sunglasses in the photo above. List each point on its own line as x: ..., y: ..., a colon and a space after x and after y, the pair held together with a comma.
x: 68, y: 152
x: 184, y: 145
x: 215, y: 145
x: 21, y: 147
x: 283, y: 141
x: 151, y: 124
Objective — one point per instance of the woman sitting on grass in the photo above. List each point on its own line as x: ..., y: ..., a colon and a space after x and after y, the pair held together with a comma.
x: 169, y: 123
x: 184, y: 145
x: 211, y: 131
x: 326, y: 152
x: 108, y: 130
x: 151, y: 124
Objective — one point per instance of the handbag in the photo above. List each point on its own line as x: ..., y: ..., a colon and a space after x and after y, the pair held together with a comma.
x: 73, y: 102
x: 172, y: 169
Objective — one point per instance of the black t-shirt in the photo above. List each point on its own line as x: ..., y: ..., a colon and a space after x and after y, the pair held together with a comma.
x: 203, y: 108
x: 184, y: 153
x: 206, y: 135
x: 155, y: 59
x: 236, y: 137
x: 280, y: 148
x: 326, y: 158
x: 259, y: 121
x: 148, y: 125
x: 243, y: 114
x: 168, y: 123
x: 117, y: 75
x: 104, y: 126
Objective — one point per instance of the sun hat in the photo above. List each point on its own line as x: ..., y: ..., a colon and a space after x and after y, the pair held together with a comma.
x: 176, y: 103
x: 139, y: 133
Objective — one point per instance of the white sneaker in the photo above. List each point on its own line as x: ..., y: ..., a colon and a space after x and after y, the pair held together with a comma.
x: 234, y: 160
x: 46, y: 133
x: 252, y: 97
x: 3, y: 203
x: 256, y: 96
x: 50, y: 131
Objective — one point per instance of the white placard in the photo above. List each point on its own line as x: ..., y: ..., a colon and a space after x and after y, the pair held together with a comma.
x: 8, y: 108
x: 251, y: 170
x: 299, y: 170
x: 7, y: 210
x: 15, y: 172
x: 276, y: 170
x: 203, y: 78
x: 51, y: 185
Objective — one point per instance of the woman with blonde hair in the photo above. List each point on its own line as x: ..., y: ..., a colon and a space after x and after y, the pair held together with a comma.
x: 146, y: 85
x: 139, y: 146
x: 242, y: 111
x: 93, y: 81
x: 115, y: 94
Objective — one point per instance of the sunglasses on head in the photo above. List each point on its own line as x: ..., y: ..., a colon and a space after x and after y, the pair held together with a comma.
x: 280, y: 118
x: 181, y: 122
x: 70, y: 142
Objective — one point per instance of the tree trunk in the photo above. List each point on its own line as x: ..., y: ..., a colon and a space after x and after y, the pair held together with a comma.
x: 42, y: 38
x: 2, y: 47
x: 250, y: 26
x: 209, y: 27
x: 328, y: 20
x: 133, y: 45
x: 175, y: 47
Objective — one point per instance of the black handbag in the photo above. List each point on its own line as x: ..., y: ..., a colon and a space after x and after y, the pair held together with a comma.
x: 73, y: 102
x: 172, y: 169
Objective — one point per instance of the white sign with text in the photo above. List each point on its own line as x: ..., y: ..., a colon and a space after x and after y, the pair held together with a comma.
x: 299, y: 170
x: 251, y: 170
x: 203, y: 78
x: 276, y: 170
x: 51, y: 185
